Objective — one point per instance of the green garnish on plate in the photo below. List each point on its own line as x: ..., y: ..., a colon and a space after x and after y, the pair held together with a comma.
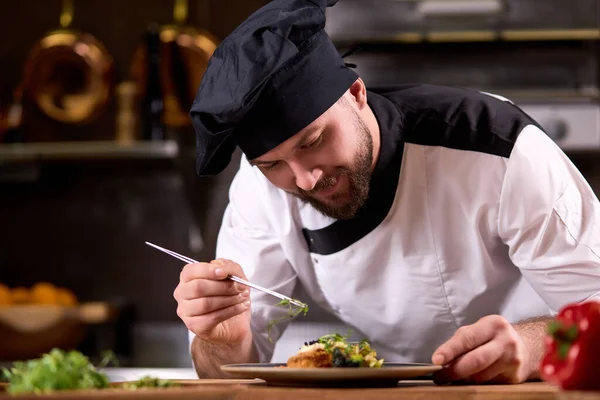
x: 349, y: 354
x: 293, y: 312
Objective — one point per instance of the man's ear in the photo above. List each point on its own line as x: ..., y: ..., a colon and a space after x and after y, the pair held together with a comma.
x: 358, y: 93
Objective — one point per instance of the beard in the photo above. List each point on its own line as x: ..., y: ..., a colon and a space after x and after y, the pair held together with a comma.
x: 346, y: 205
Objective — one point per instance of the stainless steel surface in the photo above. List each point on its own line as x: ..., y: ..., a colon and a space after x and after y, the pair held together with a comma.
x: 132, y: 374
x: 233, y: 278
x: 457, y: 8
x: 495, y: 67
x: 368, y: 20
x: 571, y: 126
x: 158, y: 344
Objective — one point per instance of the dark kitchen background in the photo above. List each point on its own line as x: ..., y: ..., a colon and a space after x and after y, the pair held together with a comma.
x: 79, y: 195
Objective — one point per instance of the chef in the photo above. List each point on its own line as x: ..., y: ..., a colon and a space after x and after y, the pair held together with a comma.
x: 441, y: 223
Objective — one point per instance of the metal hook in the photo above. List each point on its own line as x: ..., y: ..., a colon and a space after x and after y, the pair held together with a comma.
x: 66, y: 14
x: 180, y: 11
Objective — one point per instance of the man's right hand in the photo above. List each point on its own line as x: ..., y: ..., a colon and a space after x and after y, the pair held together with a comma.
x: 216, y: 309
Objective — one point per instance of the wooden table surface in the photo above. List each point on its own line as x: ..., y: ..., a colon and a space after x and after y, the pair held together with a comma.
x: 217, y: 389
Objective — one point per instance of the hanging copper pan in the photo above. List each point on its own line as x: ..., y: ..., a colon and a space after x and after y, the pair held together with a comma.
x: 69, y: 74
x: 184, y: 56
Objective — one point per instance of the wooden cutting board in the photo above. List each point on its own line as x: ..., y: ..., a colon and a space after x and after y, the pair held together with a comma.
x: 234, y: 389
x: 189, y: 389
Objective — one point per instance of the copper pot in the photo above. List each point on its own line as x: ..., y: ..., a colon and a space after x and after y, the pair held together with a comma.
x: 69, y: 74
x: 184, y: 55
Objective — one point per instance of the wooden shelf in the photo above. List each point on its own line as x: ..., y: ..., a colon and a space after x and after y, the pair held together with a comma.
x: 92, y: 150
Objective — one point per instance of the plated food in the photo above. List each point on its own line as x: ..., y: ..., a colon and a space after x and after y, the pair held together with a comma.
x: 334, y: 351
x: 333, y: 361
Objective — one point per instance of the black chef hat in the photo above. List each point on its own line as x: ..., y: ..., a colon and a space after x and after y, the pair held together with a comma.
x: 270, y: 78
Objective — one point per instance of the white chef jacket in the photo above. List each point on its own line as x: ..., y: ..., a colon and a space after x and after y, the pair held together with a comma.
x: 483, y: 215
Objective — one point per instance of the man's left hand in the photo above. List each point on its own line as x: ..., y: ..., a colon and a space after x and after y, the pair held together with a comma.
x: 490, y: 350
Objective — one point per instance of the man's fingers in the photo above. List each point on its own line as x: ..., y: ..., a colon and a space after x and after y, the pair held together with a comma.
x: 194, y: 271
x: 207, y: 322
x: 215, y: 270
x: 465, y: 339
x: 478, y: 359
x: 200, y: 288
x: 206, y: 305
x: 471, y: 363
x: 490, y: 372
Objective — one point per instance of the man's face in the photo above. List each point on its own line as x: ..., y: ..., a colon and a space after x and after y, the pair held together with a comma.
x: 328, y: 164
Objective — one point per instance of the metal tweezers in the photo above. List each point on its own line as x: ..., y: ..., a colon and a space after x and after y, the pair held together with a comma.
x: 233, y: 278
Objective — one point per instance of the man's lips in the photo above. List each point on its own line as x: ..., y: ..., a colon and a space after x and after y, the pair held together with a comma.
x: 330, y: 190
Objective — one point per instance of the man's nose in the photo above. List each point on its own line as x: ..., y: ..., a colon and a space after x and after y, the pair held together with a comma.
x: 306, y: 177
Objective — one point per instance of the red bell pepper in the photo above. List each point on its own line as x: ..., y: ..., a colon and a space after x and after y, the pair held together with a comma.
x: 572, y: 358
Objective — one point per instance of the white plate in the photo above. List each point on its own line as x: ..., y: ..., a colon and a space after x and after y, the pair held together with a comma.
x: 279, y: 375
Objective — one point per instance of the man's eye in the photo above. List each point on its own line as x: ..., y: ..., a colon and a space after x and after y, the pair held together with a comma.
x: 270, y: 166
x: 313, y: 143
